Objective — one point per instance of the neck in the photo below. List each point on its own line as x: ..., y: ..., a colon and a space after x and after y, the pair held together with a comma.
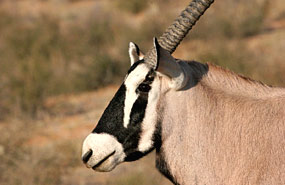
x: 212, y: 112
x: 223, y: 81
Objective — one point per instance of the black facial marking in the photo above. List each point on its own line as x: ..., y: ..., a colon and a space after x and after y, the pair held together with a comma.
x: 157, y: 48
x: 112, y: 120
x: 150, y: 76
x: 138, y: 110
x: 137, y: 155
x: 137, y: 49
x: 135, y: 65
x: 145, y: 87
x: 136, y: 118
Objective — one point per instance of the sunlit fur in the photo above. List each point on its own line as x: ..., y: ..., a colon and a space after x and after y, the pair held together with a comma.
x: 224, y: 130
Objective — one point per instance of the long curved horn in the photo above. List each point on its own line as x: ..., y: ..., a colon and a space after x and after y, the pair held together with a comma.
x: 175, y: 33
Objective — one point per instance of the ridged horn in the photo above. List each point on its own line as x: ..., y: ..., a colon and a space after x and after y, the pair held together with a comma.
x: 175, y: 33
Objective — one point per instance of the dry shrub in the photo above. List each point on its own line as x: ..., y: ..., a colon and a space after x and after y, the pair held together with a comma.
x: 40, y: 58
x: 232, y: 19
x: 235, y: 56
x: 133, y: 6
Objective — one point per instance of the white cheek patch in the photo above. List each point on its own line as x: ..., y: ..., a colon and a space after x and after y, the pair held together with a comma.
x: 150, y: 119
x: 132, y: 81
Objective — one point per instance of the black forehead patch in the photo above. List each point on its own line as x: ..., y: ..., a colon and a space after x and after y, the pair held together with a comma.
x: 112, y: 118
x: 135, y: 65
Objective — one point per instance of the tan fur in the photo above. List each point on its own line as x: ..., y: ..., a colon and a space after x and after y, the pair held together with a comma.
x: 225, y: 130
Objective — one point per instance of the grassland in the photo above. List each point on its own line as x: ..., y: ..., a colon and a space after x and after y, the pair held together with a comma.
x: 61, y: 62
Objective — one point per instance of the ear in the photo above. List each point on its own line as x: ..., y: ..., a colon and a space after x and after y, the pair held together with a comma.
x: 135, y: 53
x: 167, y: 65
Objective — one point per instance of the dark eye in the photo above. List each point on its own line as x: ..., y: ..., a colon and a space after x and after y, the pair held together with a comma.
x: 149, y: 78
x: 144, y: 88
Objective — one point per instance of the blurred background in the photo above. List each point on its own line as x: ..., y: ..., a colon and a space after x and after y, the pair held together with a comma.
x: 62, y: 60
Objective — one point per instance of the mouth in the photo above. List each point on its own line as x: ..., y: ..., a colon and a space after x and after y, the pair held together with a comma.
x: 103, y: 160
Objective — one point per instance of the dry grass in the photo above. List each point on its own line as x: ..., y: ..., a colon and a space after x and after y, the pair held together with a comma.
x: 21, y: 164
x: 67, y: 52
x: 47, y: 59
x: 48, y: 151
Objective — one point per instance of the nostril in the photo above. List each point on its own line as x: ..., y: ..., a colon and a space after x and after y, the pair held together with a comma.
x: 87, y: 156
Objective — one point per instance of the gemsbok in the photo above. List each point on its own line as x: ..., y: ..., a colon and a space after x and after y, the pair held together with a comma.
x: 208, y: 125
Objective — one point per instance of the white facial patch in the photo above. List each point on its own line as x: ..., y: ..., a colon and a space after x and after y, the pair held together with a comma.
x: 150, y: 119
x: 103, y: 145
x: 132, y: 81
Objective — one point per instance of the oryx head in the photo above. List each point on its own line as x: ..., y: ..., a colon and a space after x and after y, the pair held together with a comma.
x: 128, y: 128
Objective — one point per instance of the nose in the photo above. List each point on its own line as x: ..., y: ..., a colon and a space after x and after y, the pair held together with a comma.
x: 87, y: 156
